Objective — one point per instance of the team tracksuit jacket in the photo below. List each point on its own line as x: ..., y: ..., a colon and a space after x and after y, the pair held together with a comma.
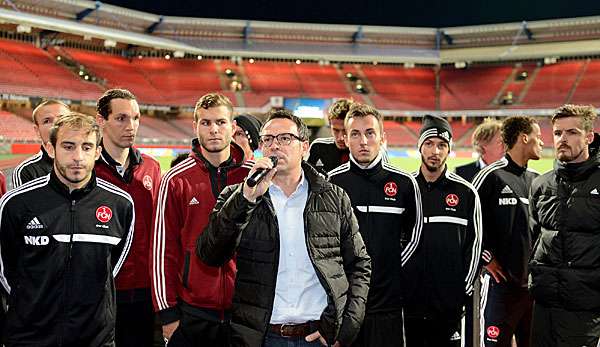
x: 387, y: 204
x: 187, y: 195
x: 503, y: 187
x: 325, y: 156
x: 60, y: 251
x: 31, y: 168
x: 141, y: 180
x: 441, y: 274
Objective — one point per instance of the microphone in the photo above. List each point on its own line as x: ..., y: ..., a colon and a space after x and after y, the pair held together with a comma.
x: 259, y: 174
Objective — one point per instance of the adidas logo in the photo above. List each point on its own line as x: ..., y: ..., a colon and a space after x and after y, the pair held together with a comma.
x: 455, y: 337
x: 34, y: 224
x: 319, y: 163
x: 193, y: 201
x: 506, y: 190
x: 445, y: 135
x: 594, y: 192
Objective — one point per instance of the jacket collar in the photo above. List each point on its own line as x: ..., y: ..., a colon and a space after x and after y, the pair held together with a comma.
x: 373, y: 168
x: 45, y: 156
x: 236, y: 156
x: 580, y: 171
x: 135, y: 157
x: 316, y: 181
x: 77, y: 194
x: 514, y: 167
x: 442, y: 180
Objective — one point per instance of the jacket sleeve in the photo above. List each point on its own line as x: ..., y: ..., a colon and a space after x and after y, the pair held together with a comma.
x: 217, y: 244
x: 534, y: 221
x: 490, y: 234
x: 414, y: 222
x: 357, y: 265
x: 121, y: 250
x: 8, y: 244
x: 166, y: 252
x: 2, y: 184
x: 472, y: 248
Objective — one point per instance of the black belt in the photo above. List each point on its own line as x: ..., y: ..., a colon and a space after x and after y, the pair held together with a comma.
x: 294, y: 330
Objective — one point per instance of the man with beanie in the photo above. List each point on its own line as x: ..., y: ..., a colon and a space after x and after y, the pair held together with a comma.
x: 503, y: 188
x: 439, y: 278
x: 246, y: 135
x: 564, y: 207
x: 387, y: 204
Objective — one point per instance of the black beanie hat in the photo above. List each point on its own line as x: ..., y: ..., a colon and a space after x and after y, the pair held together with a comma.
x: 251, y: 126
x: 435, y: 126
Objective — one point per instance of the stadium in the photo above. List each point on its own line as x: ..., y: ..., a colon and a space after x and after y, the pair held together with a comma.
x: 74, y: 51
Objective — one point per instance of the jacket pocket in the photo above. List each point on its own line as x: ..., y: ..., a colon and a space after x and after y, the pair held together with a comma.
x: 186, y: 269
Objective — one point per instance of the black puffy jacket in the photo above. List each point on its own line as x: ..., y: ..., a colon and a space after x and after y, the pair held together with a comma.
x: 336, y: 249
x: 564, y: 270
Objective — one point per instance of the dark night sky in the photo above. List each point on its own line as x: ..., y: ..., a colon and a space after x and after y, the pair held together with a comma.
x: 436, y: 13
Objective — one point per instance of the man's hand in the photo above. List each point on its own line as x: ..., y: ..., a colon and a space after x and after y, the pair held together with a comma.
x: 251, y: 194
x: 169, y: 329
x: 496, y: 271
x: 317, y: 335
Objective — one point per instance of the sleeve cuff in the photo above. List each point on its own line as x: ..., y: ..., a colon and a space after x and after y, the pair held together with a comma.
x: 169, y: 315
x: 487, y: 257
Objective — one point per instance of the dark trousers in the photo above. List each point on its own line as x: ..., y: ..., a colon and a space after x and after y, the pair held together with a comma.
x: 200, y: 331
x: 135, y: 323
x: 380, y: 329
x: 273, y: 340
x: 505, y: 311
x: 432, y: 332
x: 557, y: 327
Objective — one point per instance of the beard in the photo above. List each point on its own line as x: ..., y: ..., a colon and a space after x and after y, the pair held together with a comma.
x: 566, y: 154
x: 433, y: 168
x: 216, y: 148
x: 63, y: 171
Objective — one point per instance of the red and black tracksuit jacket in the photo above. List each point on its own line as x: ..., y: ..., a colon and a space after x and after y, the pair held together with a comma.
x: 187, y: 195
x: 141, y: 180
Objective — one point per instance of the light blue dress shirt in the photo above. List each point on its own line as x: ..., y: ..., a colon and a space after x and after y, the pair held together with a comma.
x: 299, y: 296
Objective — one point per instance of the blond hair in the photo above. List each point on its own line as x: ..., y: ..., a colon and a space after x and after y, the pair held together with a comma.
x: 76, y: 121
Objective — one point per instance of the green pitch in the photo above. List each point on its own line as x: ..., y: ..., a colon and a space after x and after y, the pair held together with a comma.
x: 412, y: 164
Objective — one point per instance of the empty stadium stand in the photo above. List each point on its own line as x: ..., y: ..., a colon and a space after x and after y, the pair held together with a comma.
x: 471, y: 88
x: 28, y: 70
x: 13, y: 127
x: 552, y: 84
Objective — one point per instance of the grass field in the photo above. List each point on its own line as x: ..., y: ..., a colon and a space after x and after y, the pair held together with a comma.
x: 412, y: 164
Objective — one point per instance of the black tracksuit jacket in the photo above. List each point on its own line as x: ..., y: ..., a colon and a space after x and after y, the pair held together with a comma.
x: 60, y: 252
x: 387, y: 204
x: 503, y: 188
x: 440, y: 276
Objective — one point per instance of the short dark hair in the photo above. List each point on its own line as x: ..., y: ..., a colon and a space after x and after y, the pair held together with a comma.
x: 211, y: 100
x: 179, y: 158
x: 586, y: 113
x: 512, y: 127
x: 77, y: 121
x: 358, y: 110
x: 44, y: 103
x: 103, y: 105
x: 283, y: 113
x: 339, y: 109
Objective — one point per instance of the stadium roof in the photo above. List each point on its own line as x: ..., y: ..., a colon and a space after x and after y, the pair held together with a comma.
x: 324, y: 42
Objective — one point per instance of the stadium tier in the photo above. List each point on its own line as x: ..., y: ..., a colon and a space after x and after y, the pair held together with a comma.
x: 13, y: 127
x: 28, y: 70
